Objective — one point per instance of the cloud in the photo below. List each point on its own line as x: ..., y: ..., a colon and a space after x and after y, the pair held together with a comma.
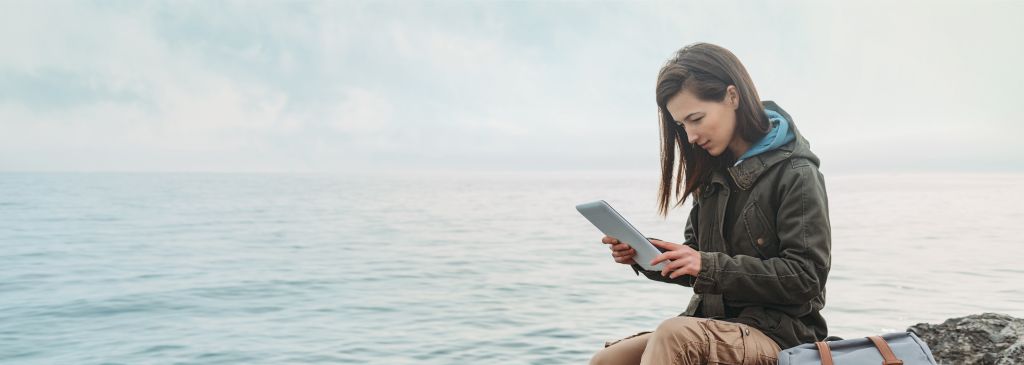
x: 353, y: 85
x: 362, y: 111
x: 138, y: 92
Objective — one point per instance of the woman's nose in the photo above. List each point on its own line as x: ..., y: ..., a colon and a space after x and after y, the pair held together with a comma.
x: 690, y: 137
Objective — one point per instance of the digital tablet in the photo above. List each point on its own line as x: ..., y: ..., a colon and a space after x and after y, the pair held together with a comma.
x: 611, y: 223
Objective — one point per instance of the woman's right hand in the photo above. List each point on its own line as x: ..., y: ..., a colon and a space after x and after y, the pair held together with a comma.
x: 621, y: 252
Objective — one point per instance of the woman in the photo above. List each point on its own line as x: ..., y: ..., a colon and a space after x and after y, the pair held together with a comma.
x: 757, y: 242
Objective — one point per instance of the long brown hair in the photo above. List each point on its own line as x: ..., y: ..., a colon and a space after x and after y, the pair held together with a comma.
x: 706, y: 70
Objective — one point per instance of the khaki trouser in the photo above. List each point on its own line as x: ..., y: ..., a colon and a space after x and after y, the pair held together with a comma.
x: 690, y: 340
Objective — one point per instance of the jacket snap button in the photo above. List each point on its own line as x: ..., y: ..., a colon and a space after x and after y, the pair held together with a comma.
x: 760, y: 241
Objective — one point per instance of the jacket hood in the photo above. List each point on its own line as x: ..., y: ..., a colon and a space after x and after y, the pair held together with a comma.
x: 747, y: 171
x: 778, y: 135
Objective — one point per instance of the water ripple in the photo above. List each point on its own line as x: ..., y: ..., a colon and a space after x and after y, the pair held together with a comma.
x: 308, y: 269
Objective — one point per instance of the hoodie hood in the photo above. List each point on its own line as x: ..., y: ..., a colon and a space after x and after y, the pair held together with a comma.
x: 778, y: 135
x: 747, y: 170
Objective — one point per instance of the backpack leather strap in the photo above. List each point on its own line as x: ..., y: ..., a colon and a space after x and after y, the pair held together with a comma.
x: 824, y: 352
x: 888, y: 357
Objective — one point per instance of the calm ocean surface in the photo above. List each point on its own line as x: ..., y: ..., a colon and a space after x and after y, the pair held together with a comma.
x: 436, y: 269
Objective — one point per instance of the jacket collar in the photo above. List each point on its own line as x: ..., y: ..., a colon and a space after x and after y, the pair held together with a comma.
x: 748, y: 171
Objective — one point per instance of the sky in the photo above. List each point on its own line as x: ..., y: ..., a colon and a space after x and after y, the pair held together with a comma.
x: 394, y: 86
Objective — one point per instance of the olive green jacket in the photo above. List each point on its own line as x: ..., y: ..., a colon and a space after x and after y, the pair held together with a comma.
x: 770, y: 273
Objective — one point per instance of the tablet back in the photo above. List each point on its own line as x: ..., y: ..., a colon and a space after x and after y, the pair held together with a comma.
x: 611, y: 223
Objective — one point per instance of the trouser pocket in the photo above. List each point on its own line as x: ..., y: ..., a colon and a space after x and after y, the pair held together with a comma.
x: 760, y: 349
x: 727, y: 342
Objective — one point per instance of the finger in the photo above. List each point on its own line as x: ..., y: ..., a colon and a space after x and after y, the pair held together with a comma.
x: 627, y: 253
x: 675, y: 274
x: 621, y: 247
x: 665, y: 245
x: 673, y: 266
x: 623, y: 260
x: 670, y: 255
x: 680, y: 262
x: 609, y: 240
x: 685, y: 270
x: 670, y: 266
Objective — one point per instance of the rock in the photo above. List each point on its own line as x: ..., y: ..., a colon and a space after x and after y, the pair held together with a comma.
x: 988, y: 338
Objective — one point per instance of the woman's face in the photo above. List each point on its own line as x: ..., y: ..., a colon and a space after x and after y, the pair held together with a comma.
x: 708, y: 124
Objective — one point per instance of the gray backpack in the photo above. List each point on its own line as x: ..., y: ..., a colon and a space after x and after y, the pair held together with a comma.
x: 900, y: 348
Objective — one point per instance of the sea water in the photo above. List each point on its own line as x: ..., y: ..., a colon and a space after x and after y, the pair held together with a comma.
x: 453, y: 268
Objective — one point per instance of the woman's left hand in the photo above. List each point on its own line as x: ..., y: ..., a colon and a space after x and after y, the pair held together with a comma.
x: 685, y: 260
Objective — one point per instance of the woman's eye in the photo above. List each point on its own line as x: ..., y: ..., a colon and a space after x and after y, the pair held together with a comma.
x: 694, y: 121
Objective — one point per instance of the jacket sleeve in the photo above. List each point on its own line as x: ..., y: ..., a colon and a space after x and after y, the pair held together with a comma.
x: 798, y: 273
x: 690, y: 236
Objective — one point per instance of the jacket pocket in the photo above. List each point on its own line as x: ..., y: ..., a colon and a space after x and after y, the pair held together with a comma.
x: 762, y: 318
x: 760, y: 232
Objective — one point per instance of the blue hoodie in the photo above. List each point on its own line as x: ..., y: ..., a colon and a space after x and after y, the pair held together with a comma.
x: 779, y: 135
